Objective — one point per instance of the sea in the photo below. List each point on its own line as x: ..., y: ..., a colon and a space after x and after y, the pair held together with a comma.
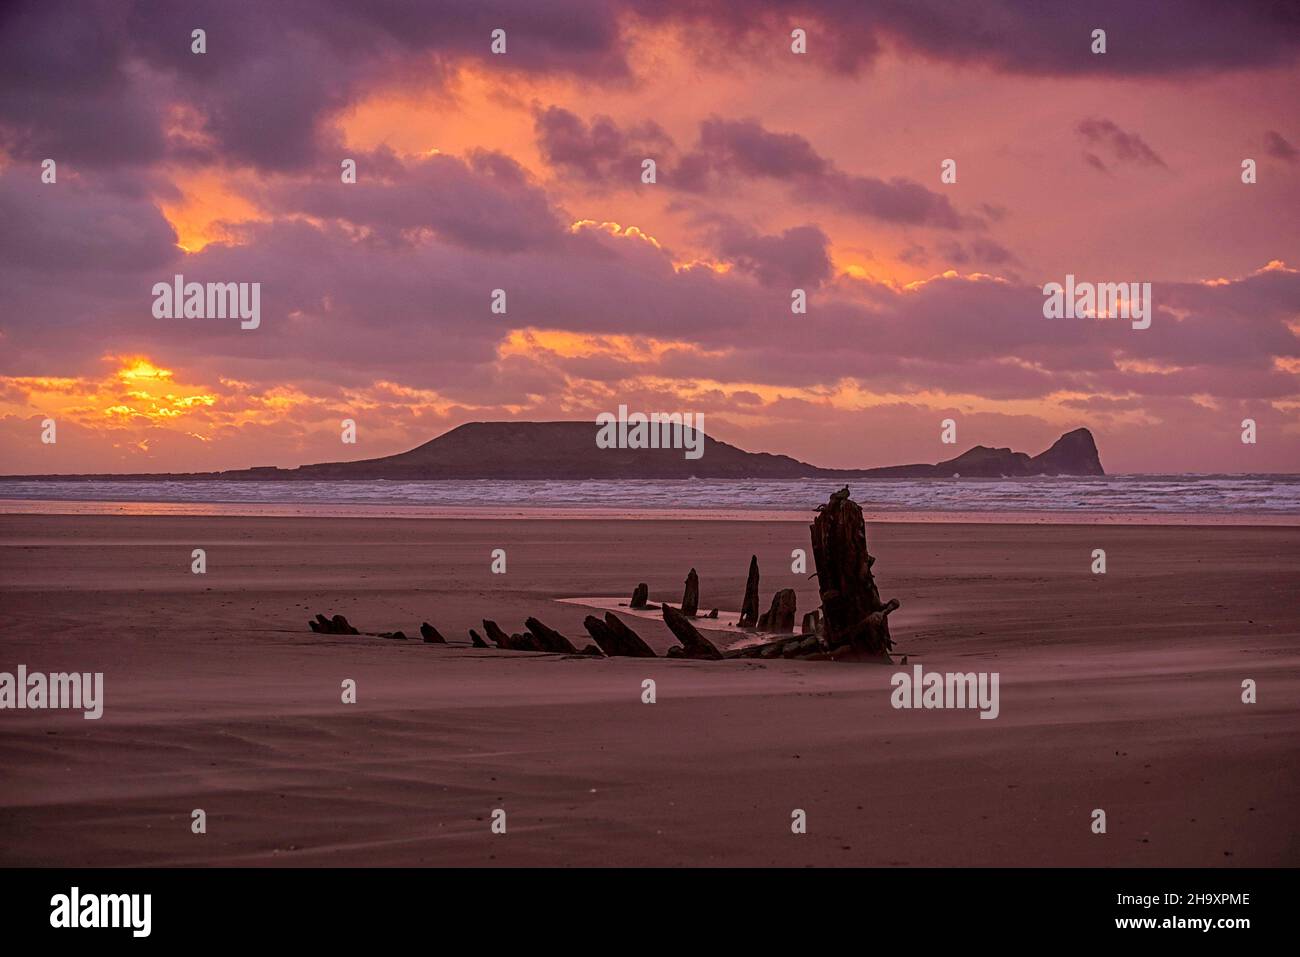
x: 1231, y: 499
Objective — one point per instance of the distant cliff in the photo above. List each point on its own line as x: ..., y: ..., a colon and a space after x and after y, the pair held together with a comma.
x: 1074, y: 453
x: 568, y: 451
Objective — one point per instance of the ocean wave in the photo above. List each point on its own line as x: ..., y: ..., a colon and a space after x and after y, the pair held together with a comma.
x: 1207, y: 494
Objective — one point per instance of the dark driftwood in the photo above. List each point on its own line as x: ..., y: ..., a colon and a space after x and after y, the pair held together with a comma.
x: 430, y: 635
x: 615, y: 638
x: 780, y: 617
x: 694, y: 645
x: 338, y: 625
x: 640, y: 596
x: 632, y: 644
x: 812, y: 624
x: 495, y: 634
x: 550, y: 639
x: 749, y: 607
x: 599, y: 631
x: 853, y: 615
x: 524, y: 642
x: 477, y: 640
x: 691, y: 596
x: 803, y: 647
x: 399, y: 635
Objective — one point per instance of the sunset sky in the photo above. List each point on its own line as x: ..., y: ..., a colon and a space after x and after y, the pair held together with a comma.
x: 522, y: 171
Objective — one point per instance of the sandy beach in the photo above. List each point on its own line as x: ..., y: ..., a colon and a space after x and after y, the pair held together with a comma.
x: 1119, y: 691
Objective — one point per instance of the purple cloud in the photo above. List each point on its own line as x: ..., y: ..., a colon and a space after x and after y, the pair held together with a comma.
x: 599, y: 151
x: 1160, y: 37
x: 95, y: 82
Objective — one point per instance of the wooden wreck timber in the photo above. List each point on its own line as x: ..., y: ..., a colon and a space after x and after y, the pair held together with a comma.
x: 853, y: 624
x: 853, y: 616
x: 338, y: 625
x: 477, y: 640
x: 779, y: 619
x: 812, y: 623
x: 550, y: 639
x: 431, y: 635
x: 516, y: 642
x: 616, y: 639
x: 630, y: 643
x: 749, y: 607
x: 525, y: 641
x: 602, y: 635
x: 694, y: 645
x: 640, y: 596
x: 691, y: 596
x: 495, y: 634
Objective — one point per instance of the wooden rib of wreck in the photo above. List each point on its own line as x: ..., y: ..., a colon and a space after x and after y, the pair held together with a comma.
x: 749, y: 607
x: 779, y: 619
x: 615, y: 638
x: 338, y: 625
x: 691, y: 595
x: 431, y: 635
x: 515, y: 642
x: 601, y: 634
x: 477, y: 640
x: 495, y: 634
x: 693, y: 644
x: 550, y: 639
x: 812, y: 623
x: 634, y: 644
x: 640, y: 596
x: 525, y: 641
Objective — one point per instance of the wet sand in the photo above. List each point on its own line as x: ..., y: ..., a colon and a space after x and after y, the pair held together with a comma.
x: 1120, y: 692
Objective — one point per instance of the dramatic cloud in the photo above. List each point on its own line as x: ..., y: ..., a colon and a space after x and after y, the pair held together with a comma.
x: 730, y: 148
x: 1020, y: 36
x: 599, y: 152
x: 797, y: 257
x: 727, y: 150
x: 102, y: 82
x: 486, y: 202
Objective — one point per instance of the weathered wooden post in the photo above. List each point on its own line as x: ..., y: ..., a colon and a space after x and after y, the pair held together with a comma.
x: 691, y: 595
x: 853, y: 614
x: 749, y: 607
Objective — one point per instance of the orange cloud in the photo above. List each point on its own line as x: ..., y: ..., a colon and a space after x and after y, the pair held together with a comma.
x: 210, y: 201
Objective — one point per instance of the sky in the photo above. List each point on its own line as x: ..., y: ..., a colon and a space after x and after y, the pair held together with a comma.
x: 523, y: 171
